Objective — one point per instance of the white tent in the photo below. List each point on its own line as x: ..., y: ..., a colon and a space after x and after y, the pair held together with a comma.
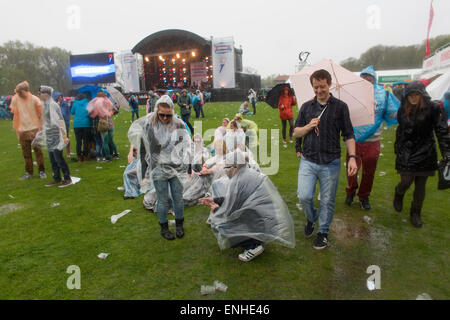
x: 440, y: 86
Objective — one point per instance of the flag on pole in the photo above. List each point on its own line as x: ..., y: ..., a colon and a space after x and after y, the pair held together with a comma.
x: 430, y: 22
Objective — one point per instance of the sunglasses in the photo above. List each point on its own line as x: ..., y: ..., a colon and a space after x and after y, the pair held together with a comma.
x: 227, y: 167
x: 163, y: 115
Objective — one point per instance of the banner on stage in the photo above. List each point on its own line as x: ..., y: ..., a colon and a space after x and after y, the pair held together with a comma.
x: 223, y: 63
x: 198, y: 72
x: 130, y: 73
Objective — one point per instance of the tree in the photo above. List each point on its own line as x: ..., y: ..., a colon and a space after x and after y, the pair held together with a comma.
x: 24, y: 61
x: 395, y: 57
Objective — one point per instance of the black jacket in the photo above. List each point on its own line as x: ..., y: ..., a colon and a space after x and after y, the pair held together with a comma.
x: 415, y: 146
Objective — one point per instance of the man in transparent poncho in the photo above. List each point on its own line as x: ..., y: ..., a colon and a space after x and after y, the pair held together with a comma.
x: 252, y: 211
x: 163, y: 145
x: 54, y: 136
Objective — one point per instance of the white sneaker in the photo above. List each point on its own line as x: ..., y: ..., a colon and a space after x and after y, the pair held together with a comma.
x: 251, y: 254
x: 42, y: 175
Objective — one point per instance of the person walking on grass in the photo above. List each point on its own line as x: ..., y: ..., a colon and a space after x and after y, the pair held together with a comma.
x: 285, y: 103
x: 55, y: 137
x: 368, y: 141
x: 320, y: 123
x: 185, y: 103
x: 65, y: 110
x: 82, y: 126
x: 415, y: 147
x: 134, y: 105
x: 27, y: 121
x: 164, y: 145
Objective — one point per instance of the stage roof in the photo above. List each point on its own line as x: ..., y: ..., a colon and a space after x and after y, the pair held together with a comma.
x: 170, y: 40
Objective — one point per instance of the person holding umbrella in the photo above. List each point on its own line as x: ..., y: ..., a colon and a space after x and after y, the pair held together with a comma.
x: 320, y: 122
x: 285, y: 103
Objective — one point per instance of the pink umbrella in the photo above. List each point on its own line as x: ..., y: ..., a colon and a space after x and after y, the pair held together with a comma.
x: 356, y: 92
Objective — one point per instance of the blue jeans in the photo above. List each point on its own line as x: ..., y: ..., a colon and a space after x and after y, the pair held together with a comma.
x: 162, y: 194
x: 59, y: 164
x: 328, y: 176
x: 107, y: 140
x: 99, y: 150
x: 134, y: 111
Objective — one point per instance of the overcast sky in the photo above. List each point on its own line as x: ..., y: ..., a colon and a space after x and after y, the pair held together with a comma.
x: 271, y: 33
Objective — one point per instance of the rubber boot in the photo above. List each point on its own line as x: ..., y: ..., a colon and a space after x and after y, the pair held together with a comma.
x: 415, y: 216
x: 398, y: 201
x: 179, y: 227
x: 165, y: 232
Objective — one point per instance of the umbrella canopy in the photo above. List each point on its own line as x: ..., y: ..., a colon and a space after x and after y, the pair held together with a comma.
x: 91, y: 90
x: 356, y: 92
x: 118, y: 98
x: 439, y: 87
x: 273, y: 96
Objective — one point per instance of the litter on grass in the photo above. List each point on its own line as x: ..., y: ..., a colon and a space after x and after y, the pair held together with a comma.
x: 371, y: 285
x: 116, y: 217
x: 220, y: 286
x: 75, y: 180
x: 204, y: 290
x: 382, y: 173
x: 424, y: 296
x: 103, y: 255
x: 368, y: 219
x: 120, y: 188
x: 11, y: 196
x: 54, y: 204
x: 98, y: 167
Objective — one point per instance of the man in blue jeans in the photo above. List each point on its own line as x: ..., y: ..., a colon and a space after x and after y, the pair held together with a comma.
x: 320, y: 122
x: 164, y: 148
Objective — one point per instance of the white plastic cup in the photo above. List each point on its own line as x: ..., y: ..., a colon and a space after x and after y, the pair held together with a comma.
x: 204, y: 290
x: 220, y: 286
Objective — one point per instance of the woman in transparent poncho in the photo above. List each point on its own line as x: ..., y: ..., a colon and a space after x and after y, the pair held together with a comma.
x: 163, y: 146
x: 251, y: 213
x: 53, y: 136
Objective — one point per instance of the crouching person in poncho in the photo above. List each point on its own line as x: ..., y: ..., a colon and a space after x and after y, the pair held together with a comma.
x: 252, y: 213
x: 163, y: 145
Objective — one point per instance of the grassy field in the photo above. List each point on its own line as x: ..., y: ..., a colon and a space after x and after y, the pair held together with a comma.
x: 39, y: 242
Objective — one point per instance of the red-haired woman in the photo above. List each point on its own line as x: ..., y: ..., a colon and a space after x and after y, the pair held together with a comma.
x: 285, y: 103
x: 415, y: 147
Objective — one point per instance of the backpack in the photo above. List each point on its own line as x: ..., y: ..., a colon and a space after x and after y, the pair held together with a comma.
x: 103, y: 124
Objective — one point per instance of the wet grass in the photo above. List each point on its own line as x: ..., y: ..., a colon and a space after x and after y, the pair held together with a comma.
x: 38, y: 242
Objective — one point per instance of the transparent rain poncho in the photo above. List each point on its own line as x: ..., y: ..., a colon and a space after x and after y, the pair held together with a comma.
x: 253, y: 208
x: 54, y: 128
x: 164, y: 150
x: 100, y: 107
x: 130, y: 180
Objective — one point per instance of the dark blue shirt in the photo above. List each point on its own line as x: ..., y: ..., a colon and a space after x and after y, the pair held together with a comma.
x: 335, y: 120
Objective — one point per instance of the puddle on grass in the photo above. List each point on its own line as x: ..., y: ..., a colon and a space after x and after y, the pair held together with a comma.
x: 8, y: 208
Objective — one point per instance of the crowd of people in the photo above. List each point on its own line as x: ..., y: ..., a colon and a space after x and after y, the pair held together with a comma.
x: 169, y: 164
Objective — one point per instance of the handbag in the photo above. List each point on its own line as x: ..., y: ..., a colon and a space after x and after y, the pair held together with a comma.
x: 444, y: 174
x: 103, y: 125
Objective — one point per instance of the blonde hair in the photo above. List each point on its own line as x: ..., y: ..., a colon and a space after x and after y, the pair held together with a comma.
x: 22, y: 87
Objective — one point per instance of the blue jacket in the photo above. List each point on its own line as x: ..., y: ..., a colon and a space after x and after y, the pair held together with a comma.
x: 447, y: 103
x: 386, y: 109
x: 195, y: 101
x: 65, y: 110
x: 81, y: 119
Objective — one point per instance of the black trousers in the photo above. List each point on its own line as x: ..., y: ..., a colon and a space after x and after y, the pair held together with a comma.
x: 82, y: 137
x: 58, y: 163
x: 419, y: 188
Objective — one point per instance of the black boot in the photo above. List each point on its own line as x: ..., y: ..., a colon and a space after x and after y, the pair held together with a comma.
x: 165, y: 232
x: 179, y: 227
x: 398, y: 201
x: 415, y: 216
